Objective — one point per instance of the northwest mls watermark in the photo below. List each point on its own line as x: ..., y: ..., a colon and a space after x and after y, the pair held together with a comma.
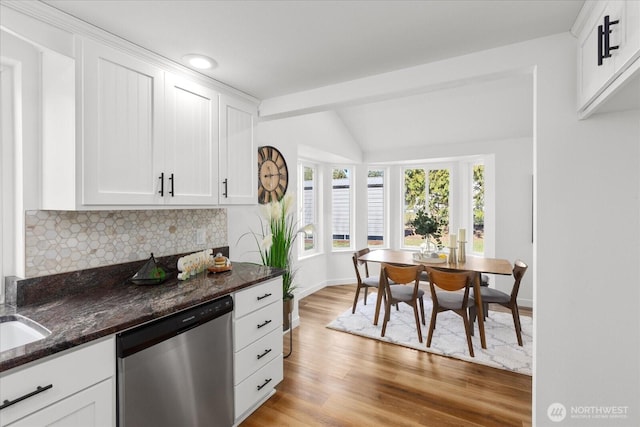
x: 557, y: 412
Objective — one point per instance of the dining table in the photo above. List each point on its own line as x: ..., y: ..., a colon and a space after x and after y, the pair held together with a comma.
x: 475, y: 264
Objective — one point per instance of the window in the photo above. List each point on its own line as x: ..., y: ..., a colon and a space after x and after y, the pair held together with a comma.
x: 478, y: 208
x: 341, y: 208
x: 376, y: 207
x: 309, y: 208
x: 426, y: 188
x: 439, y: 200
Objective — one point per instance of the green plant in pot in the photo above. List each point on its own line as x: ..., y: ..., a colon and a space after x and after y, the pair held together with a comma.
x: 275, y: 242
x: 428, y: 226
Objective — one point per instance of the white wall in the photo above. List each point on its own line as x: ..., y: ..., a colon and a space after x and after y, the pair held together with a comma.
x: 586, y: 231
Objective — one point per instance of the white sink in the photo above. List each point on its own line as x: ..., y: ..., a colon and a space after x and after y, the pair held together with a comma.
x: 16, y: 330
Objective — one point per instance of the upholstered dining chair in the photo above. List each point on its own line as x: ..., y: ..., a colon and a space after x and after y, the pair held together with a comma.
x: 363, y: 282
x: 450, y: 292
x: 401, y: 284
x: 510, y: 301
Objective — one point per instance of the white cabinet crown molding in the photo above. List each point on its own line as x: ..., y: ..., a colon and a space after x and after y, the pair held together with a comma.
x: 63, y: 21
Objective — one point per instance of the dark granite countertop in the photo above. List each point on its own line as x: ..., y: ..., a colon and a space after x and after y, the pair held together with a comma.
x: 100, y: 311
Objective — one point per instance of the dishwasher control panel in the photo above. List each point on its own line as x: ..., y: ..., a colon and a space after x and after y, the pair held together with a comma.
x: 140, y: 337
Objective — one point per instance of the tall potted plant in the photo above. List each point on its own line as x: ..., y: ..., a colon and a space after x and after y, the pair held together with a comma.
x: 275, y: 242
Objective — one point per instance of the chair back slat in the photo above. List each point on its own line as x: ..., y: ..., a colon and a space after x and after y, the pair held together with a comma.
x: 357, y: 255
x: 519, y: 268
x: 355, y: 266
x: 450, y: 280
x: 402, y: 275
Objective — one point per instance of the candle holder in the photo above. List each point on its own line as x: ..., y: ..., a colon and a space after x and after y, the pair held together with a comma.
x: 462, y: 256
x: 453, y: 258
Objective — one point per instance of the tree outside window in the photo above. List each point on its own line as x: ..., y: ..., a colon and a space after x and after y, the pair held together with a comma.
x: 430, y: 189
x: 478, y: 208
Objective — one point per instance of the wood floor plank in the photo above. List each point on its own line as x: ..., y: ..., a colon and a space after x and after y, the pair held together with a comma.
x: 337, y: 379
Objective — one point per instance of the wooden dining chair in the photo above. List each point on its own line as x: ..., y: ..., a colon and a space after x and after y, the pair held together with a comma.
x: 446, y: 287
x: 397, y: 282
x: 363, y: 282
x: 510, y: 301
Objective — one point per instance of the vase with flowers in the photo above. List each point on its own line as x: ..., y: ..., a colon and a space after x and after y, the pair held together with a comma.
x: 428, y: 226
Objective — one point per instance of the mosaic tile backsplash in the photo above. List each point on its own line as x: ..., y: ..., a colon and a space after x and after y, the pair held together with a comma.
x: 61, y: 241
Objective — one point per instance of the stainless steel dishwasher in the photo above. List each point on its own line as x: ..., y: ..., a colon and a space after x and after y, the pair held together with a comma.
x: 177, y: 370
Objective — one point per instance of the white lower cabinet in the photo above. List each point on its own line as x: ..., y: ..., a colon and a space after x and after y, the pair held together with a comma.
x: 258, y: 386
x: 77, y: 389
x: 258, y: 362
x: 89, y: 408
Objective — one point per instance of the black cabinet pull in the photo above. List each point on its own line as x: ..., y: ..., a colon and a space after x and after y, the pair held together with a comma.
x: 38, y: 390
x: 225, y: 182
x: 260, y: 356
x: 260, y: 387
x: 161, y: 178
x: 264, y: 296
x: 172, y: 181
x: 604, y: 40
x: 266, y: 322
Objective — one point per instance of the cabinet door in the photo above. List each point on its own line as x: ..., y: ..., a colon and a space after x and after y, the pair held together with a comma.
x: 593, y: 77
x: 67, y: 373
x: 628, y: 35
x: 121, y: 135
x: 92, y: 407
x: 191, y: 163
x: 238, y: 157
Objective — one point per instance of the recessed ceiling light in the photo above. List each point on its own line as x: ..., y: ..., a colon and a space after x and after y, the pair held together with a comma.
x: 200, y: 62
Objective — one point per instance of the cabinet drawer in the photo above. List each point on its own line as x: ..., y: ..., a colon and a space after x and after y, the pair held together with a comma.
x: 256, y: 355
x: 68, y: 373
x: 258, y: 296
x: 258, y: 385
x: 257, y: 324
x: 93, y: 407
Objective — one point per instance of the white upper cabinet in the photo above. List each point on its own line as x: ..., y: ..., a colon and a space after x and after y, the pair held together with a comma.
x: 598, y: 79
x: 122, y: 147
x: 124, y: 127
x: 190, y: 169
x: 150, y: 137
x: 238, y: 158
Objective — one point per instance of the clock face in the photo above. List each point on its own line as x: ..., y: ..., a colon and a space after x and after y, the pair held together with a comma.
x: 273, y: 175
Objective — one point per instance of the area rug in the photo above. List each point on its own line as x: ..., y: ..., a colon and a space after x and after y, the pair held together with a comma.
x: 449, y: 339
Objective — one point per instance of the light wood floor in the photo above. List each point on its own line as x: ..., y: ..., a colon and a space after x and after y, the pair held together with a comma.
x: 338, y: 379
